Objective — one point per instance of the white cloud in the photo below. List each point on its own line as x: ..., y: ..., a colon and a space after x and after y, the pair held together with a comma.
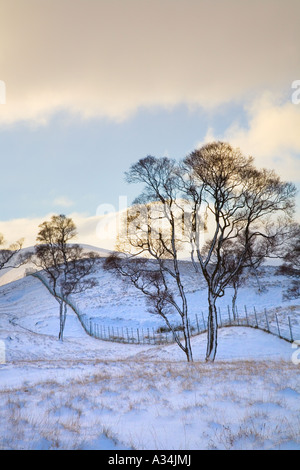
x: 272, y: 135
x: 110, y: 57
x: 16, y: 229
x: 98, y: 231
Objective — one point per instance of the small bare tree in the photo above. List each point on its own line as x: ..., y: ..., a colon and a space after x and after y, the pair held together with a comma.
x: 65, y: 267
x: 10, y: 257
x: 152, y: 229
x: 254, y: 257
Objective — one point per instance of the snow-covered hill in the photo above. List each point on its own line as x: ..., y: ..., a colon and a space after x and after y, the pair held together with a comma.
x: 8, y: 275
x: 114, y: 303
x: 88, y: 394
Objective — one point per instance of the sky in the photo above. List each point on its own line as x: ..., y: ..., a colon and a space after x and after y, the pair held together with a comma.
x: 88, y: 87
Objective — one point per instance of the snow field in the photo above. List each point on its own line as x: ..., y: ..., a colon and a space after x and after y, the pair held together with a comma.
x: 102, y: 395
x: 140, y: 405
x: 89, y: 394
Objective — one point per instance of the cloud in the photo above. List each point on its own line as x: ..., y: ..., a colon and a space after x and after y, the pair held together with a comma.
x: 98, y: 231
x: 272, y: 135
x: 16, y: 229
x: 110, y: 57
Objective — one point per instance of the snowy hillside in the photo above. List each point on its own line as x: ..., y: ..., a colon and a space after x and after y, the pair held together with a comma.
x: 89, y: 394
x: 114, y: 303
x: 8, y: 275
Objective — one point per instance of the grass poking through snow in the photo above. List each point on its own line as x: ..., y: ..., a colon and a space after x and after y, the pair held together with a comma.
x: 156, y: 405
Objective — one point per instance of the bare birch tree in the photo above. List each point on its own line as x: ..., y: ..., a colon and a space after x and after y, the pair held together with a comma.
x: 65, y: 267
x: 244, y: 212
x: 152, y: 229
x: 242, y: 204
x: 10, y: 257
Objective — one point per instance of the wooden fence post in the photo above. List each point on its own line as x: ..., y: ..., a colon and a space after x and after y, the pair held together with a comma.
x: 255, y: 317
x: 266, y: 315
x: 277, y: 325
x: 246, y: 315
x: 237, y: 315
x: 197, y: 323
x: 291, y: 332
x: 228, y: 309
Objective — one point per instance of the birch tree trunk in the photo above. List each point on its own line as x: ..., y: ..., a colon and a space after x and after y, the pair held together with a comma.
x: 187, y: 339
x: 234, y: 297
x: 62, y: 319
x: 212, y: 330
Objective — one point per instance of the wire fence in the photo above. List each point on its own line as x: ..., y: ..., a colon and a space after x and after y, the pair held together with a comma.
x: 284, y: 326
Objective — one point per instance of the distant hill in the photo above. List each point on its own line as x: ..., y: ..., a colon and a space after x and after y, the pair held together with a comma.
x: 8, y: 275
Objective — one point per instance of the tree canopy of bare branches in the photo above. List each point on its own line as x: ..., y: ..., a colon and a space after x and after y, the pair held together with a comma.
x: 10, y: 257
x: 247, y: 208
x: 151, y: 230
x: 291, y: 263
x: 65, y: 266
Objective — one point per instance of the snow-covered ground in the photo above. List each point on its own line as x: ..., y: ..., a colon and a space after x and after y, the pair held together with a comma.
x: 88, y: 394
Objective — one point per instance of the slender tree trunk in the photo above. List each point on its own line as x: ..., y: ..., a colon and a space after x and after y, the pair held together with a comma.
x: 62, y: 319
x: 233, y: 305
x: 260, y: 287
x: 212, y: 330
x: 185, y: 322
x: 186, y: 348
x: 187, y: 339
x: 60, y: 335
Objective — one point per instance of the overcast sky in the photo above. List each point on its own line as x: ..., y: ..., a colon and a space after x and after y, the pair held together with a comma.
x: 94, y: 85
